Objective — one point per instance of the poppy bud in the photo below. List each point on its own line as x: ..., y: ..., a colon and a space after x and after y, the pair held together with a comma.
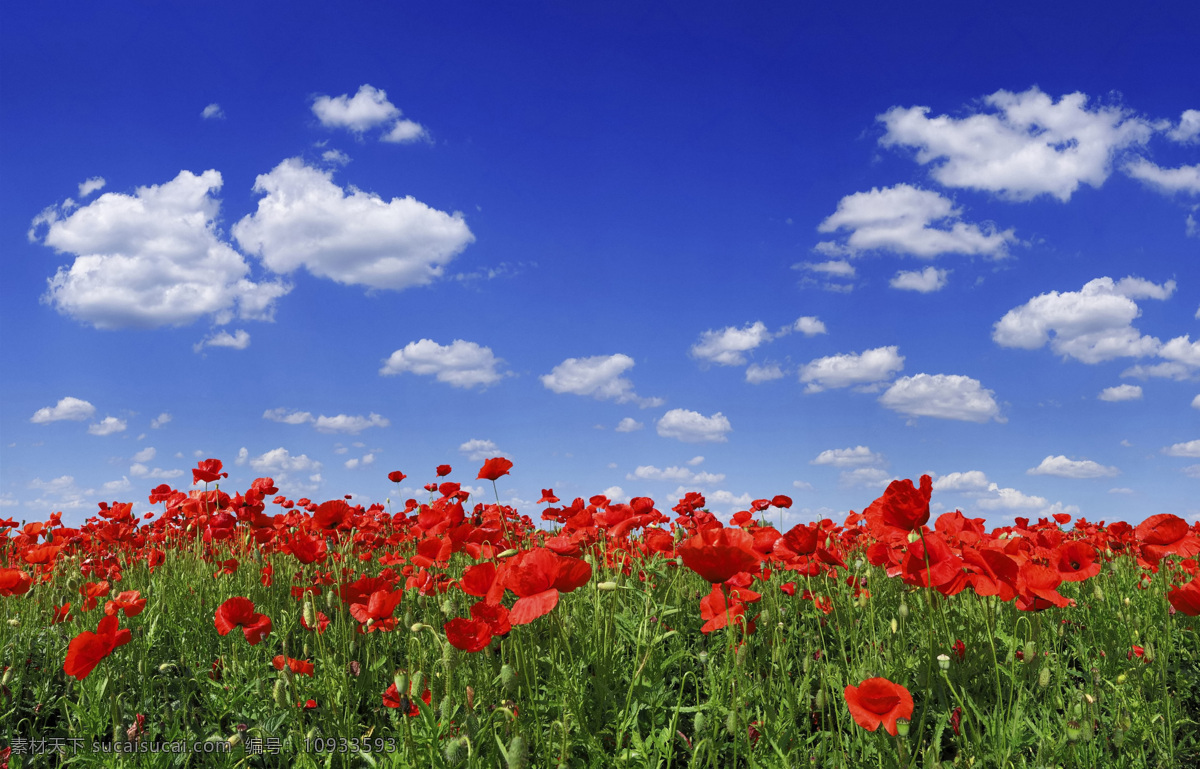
x: 312, y: 734
x: 607, y: 587
x: 446, y: 708
x: 894, y: 626
x: 448, y: 607
x: 1122, y: 678
x: 452, y: 751
x: 903, y: 610
x: 1149, y: 656
x: 7, y: 677
x: 731, y: 722
x: 1118, y: 738
x: 508, y: 553
x: 310, y: 614
x: 820, y: 698
x: 508, y: 678
x: 470, y: 698
x: 698, y: 724
x: 1044, y: 677
x: 1097, y: 593
x: 913, y: 536
x: 742, y: 652
x: 418, y: 679
x: 330, y: 601
x: 518, y: 753
x: 279, y: 694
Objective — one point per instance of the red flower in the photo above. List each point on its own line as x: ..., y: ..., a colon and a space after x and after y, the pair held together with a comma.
x: 470, y: 635
x: 781, y: 501
x: 130, y: 602
x: 1163, y: 534
x: 378, y: 610
x: 61, y: 614
x: 92, y: 592
x: 1037, y: 588
x: 87, y: 649
x: 443, y: 470
x: 904, y: 506
x: 299, y: 667
x: 494, y: 614
x: 307, y: 704
x: 1187, y: 598
x: 322, y: 623
x: 547, y: 497
x: 477, y: 580
x: 538, y: 579
x: 14, y: 582
x: 878, y: 701
x: 392, y: 699
x: 494, y: 468
x: 239, y: 612
x: 959, y: 649
x: 1075, y: 561
x: 718, y: 554
x: 209, y: 470
x: 396, y: 476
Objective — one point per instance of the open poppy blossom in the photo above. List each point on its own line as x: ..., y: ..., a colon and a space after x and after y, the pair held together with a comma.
x: 130, y: 602
x: 538, y: 579
x: 878, y: 701
x: 470, y: 635
x: 299, y: 667
x: 718, y: 554
x: 376, y: 612
x: 1186, y: 599
x: 87, y: 649
x: 396, y: 476
x: 494, y: 468
x: 208, y: 471
x: 14, y: 582
x: 239, y: 612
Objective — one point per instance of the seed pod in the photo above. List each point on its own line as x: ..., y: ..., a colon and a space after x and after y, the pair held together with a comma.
x: 1097, y: 593
x: 310, y: 614
x: 6, y: 679
x: 894, y: 626
x: 400, y: 680
x: 508, y: 678
x: 449, y: 608
x: 821, y: 698
x: 1149, y: 654
x: 742, y: 653
x: 518, y: 753
x: 508, y: 553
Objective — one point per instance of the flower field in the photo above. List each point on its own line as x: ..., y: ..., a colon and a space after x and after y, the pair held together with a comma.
x: 253, y: 630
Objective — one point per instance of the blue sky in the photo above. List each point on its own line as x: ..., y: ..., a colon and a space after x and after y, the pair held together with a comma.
x: 639, y: 251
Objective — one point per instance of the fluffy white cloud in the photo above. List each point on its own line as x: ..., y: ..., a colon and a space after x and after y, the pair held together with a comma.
x: 1188, y: 128
x: 1166, y: 180
x: 944, y: 396
x: 145, y: 455
x: 352, y: 237
x: 1090, y: 325
x: 107, y: 426
x: 598, y: 376
x: 802, y: 485
x: 139, y: 470
x: 972, y: 480
x: 901, y: 219
x: 292, y: 417
x: 1068, y: 468
x: 363, y: 111
x: 725, y: 347
x: 160, y: 420
x: 352, y: 425
x: 652, y: 473
x: 366, y: 460
x: 279, y: 461
x: 213, y: 112
x: 865, y: 476
x: 809, y: 325
x: 835, y: 268
x: 61, y: 493
x: 1009, y: 499
x: 757, y: 373
x: 693, y: 427
x: 91, y: 185
x: 479, y: 450
x: 68, y: 408
x: 459, y: 364
x: 1027, y: 145
x: 695, y: 461
x: 239, y: 340
x: 1196, y: 402
x: 151, y: 259
x: 1167, y: 370
x: 628, y: 425
x: 868, y: 367
x: 1121, y: 393
x: 851, y: 457
x: 926, y: 281
x: 1182, y: 350
x: 1189, y: 449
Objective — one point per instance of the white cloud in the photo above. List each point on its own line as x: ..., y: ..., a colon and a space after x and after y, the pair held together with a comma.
x: 1196, y: 402
x: 160, y: 420
x: 1192, y: 471
x: 367, y: 459
x: 1068, y: 468
x: 900, y: 219
x: 116, y: 487
x: 1182, y: 350
x: 280, y: 460
x: 835, y: 268
x: 693, y: 427
x: 151, y: 259
x: 344, y: 423
x: 1121, y: 393
x: 1188, y: 129
x: 628, y: 425
x: 459, y: 364
x: 802, y: 485
x: 292, y: 417
x: 1120, y: 490
x: 239, y: 340
x: 1167, y: 370
x: 944, y: 396
x: 615, y: 494
x: 68, y: 408
x: 243, y: 456
x: 926, y: 281
x: 810, y: 325
x: 107, y: 426
x: 213, y: 112
x: 1027, y: 145
x: 1166, y: 180
x: 139, y: 470
x: 91, y: 185
x: 757, y: 373
x: 61, y: 493
x: 725, y: 347
x: 865, y: 476
x: 1090, y: 325
x: 404, y: 131
x: 145, y: 455
x: 349, y: 236
x: 722, y: 497
x: 598, y: 376
x: 695, y: 461
x: 335, y: 157
x: 855, y: 457
x: 1189, y: 449
x: 652, y: 473
x: 972, y: 480
x: 868, y: 367
x: 478, y: 450
x: 1009, y: 499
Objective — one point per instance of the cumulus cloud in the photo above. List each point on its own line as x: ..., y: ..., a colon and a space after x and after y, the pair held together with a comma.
x: 1196, y: 402
x: 351, y: 425
x: 213, y: 112
x: 70, y: 408
x: 280, y: 461
x: 160, y: 420
x: 870, y: 477
x: 151, y: 259
x: 1182, y: 350
x: 1121, y: 393
x: 598, y: 376
x: 695, y: 461
x: 834, y: 268
x: 145, y: 455
x: 809, y: 325
x: 944, y: 396
x: 1091, y: 325
x: 628, y: 425
x: 1062, y: 467
x: 1009, y: 499
x: 355, y: 462
x: 674, y: 474
x: 1168, y: 181
x: 107, y: 426
x: 479, y: 450
x: 725, y: 347
x: 61, y: 493
x: 1189, y: 449
x: 367, y: 109
x: 335, y: 157
x: 1187, y: 131
x: 288, y: 417
x: 139, y: 470
x: 901, y: 219
x: 849, y: 457
x: 925, y: 281
x: 349, y: 236
x: 91, y: 185
x: 971, y: 480
x: 757, y: 373
x: 693, y: 427
x: 865, y: 368
x: 1024, y: 144
x: 238, y: 340
x: 459, y: 364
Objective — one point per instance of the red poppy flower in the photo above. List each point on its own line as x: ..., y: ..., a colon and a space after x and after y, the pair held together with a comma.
x: 1186, y: 599
x: 93, y: 592
x: 322, y: 623
x: 396, y: 476
x: 14, y: 582
x: 443, y: 470
x: 87, y: 649
x: 299, y: 667
x: 470, y: 635
x: 477, y: 580
x: 239, y: 612
x: 781, y: 501
x: 61, y: 614
x: 378, y: 610
x: 208, y: 471
x: 392, y: 699
x: 130, y: 602
x: 1075, y: 561
x: 538, y: 578
x: 906, y: 507
x: 494, y: 468
x: 1164, y: 534
x: 307, y: 705
x: 547, y: 497
x: 1037, y: 588
x: 494, y: 614
x: 718, y: 554
x: 878, y: 701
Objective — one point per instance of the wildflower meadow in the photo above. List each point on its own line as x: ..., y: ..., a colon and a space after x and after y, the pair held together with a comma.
x: 246, y: 629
